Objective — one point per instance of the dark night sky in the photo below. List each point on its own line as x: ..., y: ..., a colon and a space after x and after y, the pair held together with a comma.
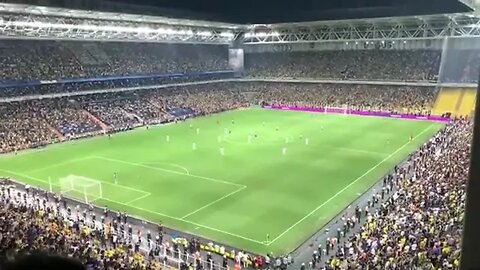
x: 265, y: 11
x: 269, y: 11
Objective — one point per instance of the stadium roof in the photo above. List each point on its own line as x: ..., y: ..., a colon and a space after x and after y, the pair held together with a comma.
x: 39, y: 22
x: 271, y: 11
x: 9, y: 8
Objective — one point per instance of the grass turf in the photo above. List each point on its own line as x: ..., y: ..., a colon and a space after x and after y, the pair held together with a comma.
x: 253, y: 190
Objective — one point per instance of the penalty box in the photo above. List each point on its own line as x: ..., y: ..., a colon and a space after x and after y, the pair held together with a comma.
x: 154, y: 187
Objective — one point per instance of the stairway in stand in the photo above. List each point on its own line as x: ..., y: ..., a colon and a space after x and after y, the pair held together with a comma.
x: 133, y: 116
x: 97, y: 121
x: 457, y: 101
x: 447, y: 101
x: 467, y: 105
x: 54, y: 130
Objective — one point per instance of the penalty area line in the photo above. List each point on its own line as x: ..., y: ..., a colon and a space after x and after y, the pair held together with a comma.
x: 27, y: 176
x: 53, y: 183
x: 167, y: 163
x: 139, y: 198
x: 60, y: 164
x: 169, y: 171
x: 214, y: 202
x: 348, y: 186
x: 150, y: 211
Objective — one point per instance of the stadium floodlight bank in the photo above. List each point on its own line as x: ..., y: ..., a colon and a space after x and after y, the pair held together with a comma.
x: 81, y: 188
x: 34, y: 22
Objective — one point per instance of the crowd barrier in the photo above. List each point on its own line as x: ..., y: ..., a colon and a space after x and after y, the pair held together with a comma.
x: 435, y: 118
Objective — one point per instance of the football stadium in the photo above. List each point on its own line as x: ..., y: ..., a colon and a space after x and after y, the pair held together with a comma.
x: 158, y: 141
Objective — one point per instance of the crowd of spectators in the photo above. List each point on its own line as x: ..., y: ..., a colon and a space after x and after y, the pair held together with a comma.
x: 48, y: 60
x: 209, y: 98
x: 22, y: 127
x: 125, y: 109
x: 404, y: 99
x: 37, y: 122
x: 23, y: 60
x: 66, y: 116
x: 416, y: 225
x: 460, y: 66
x: 410, y: 65
x: 111, y: 112
x: 97, y: 85
x: 35, y: 221
x: 415, y: 220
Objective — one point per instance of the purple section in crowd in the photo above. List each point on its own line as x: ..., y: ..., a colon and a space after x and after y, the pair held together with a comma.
x: 435, y: 118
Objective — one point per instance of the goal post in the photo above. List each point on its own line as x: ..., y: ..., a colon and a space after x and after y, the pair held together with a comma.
x: 81, y: 188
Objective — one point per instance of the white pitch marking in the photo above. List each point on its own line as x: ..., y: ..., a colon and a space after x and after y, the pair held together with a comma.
x: 315, y: 147
x: 170, y: 171
x: 28, y: 176
x: 211, y: 203
x: 54, y: 165
x: 190, y: 222
x: 153, y: 212
x: 55, y: 184
x: 171, y: 164
x: 348, y: 186
x: 139, y: 198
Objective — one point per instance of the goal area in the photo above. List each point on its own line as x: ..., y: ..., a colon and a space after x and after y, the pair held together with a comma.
x: 81, y: 188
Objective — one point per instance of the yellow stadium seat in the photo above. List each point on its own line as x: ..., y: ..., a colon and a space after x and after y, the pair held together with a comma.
x: 467, y: 105
x: 447, y: 101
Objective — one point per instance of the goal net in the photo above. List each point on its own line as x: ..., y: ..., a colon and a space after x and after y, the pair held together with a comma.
x: 81, y: 188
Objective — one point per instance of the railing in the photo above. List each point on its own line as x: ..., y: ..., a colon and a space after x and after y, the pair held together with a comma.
x: 167, y: 256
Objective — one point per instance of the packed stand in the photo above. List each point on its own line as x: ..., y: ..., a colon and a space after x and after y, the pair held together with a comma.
x: 110, y: 112
x: 415, y: 220
x: 47, y: 60
x: 33, y: 221
x: 460, y: 66
x: 87, y: 84
x: 403, y: 65
x: 156, y: 106
x: 21, y: 127
x: 38, y: 122
x: 124, y: 109
x: 89, y: 114
x: 403, y: 99
x: 66, y: 116
x: 209, y: 98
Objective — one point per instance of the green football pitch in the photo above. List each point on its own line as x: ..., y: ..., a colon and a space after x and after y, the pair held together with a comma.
x: 251, y: 191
